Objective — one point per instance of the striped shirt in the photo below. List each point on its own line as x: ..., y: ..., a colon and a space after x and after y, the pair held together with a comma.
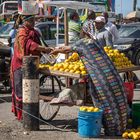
x: 88, y: 27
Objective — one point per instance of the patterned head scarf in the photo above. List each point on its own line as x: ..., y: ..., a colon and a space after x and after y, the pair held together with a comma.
x: 26, y: 18
x: 86, y: 30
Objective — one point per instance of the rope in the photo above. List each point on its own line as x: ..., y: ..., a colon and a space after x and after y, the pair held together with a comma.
x: 64, y: 130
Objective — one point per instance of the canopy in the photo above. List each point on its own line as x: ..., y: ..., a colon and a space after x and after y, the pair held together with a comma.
x: 134, y: 14
x: 70, y: 4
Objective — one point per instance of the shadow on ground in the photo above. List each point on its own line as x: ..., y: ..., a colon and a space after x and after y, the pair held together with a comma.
x: 5, y: 98
x: 66, y: 125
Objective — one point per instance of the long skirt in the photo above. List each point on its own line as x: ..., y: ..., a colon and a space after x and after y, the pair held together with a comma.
x: 17, y: 93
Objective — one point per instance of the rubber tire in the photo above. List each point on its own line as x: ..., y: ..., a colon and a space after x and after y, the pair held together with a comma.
x: 46, y: 105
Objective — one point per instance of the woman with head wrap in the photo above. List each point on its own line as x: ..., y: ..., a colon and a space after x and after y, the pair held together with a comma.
x: 27, y: 42
x: 88, y: 25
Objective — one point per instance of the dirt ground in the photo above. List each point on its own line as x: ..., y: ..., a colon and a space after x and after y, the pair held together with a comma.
x: 63, y: 127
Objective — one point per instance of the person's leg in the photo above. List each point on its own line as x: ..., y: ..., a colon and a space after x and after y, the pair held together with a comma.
x: 18, y: 92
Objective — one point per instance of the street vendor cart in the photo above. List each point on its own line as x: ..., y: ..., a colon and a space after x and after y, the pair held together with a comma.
x: 53, y: 74
x: 55, y: 82
x: 105, y: 86
x: 47, y: 111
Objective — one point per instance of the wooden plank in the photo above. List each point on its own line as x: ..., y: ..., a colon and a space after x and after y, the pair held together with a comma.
x: 134, y: 68
x: 78, y: 76
x: 45, y: 98
x: 59, y: 73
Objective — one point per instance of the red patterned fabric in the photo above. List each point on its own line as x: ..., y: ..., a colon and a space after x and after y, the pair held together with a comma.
x: 27, y: 40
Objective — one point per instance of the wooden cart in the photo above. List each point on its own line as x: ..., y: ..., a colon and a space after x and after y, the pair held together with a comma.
x: 47, y: 111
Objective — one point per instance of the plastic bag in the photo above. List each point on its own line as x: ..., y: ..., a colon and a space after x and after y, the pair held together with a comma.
x: 46, y: 58
x: 129, y: 87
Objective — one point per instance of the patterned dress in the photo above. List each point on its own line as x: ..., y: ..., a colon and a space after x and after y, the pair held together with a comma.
x: 106, y: 86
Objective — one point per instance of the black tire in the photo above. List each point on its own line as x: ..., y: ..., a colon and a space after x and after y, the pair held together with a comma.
x: 49, y: 85
x: 137, y: 59
x: 6, y: 86
x: 5, y: 51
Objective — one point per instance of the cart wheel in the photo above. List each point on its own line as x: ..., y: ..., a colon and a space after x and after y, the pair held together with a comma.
x: 49, y: 86
x: 47, y: 111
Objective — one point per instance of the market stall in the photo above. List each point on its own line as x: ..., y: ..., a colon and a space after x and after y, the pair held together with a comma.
x: 77, y: 76
x: 103, y: 78
x: 64, y: 70
x: 69, y: 68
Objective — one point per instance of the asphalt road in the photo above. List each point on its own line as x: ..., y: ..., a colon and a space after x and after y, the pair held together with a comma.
x: 63, y: 127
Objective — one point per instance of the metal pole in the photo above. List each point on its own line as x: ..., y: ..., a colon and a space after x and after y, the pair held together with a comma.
x: 57, y: 27
x: 134, y: 5
x: 30, y: 93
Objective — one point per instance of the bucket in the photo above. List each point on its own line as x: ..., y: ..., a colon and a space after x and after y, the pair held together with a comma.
x: 89, y: 124
x: 136, y: 114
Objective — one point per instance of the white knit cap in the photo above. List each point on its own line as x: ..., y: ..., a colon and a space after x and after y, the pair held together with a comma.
x: 100, y: 19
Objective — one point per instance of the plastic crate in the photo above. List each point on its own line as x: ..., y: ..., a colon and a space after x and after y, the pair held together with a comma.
x: 136, y: 113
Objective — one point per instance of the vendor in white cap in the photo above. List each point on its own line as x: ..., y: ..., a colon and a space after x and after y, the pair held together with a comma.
x: 27, y: 42
x: 111, y: 27
x: 103, y: 36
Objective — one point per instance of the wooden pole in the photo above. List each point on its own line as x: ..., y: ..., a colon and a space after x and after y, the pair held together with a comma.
x: 66, y: 27
x: 30, y: 91
x: 68, y: 80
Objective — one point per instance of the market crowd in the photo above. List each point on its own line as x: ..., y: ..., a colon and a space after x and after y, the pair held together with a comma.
x: 88, y: 40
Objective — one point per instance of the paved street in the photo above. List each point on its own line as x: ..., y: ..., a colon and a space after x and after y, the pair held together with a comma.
x: 63, y: 127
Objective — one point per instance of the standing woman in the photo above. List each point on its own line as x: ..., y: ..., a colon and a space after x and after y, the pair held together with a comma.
x: 27, y: 43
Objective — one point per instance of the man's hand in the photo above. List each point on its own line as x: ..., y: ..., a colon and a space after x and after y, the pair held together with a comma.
x: 56, y: 51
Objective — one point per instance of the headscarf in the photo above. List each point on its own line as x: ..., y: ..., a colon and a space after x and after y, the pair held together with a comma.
x: 26, y: 17
x: 86, y: 30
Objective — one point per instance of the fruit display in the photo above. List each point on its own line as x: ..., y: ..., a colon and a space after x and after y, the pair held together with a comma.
x: 89, y: 109
x: 74, y: 65
x: 119, y: 59
x: 71, y: 65
x: 132, y: 134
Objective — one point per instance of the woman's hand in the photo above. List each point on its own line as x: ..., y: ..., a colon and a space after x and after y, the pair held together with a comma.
x: 65, y: 49
x: 56, y: 51
x: 48, y: 49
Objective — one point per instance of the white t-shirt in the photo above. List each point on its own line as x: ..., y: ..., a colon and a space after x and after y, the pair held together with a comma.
x: 113, y: 30
x: 40, y: 5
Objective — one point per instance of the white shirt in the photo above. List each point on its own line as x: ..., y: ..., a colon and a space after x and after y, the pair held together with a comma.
x: 113, y: 30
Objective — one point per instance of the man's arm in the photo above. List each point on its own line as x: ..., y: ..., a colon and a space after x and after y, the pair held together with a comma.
x: 108, y: 39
